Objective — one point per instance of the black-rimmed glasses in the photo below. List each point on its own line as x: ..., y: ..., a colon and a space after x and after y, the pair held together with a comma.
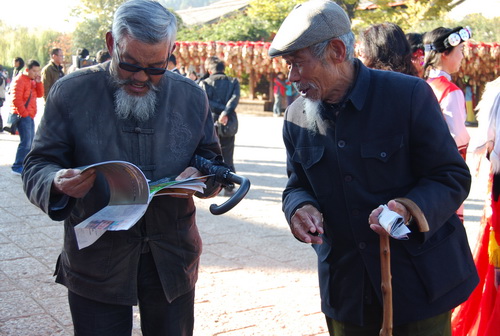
x: 135, y: 68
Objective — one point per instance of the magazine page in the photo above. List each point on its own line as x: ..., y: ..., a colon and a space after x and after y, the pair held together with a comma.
x: 130, y: 195
x: 110, y: 218
x: 169, y: 186
x: 127, y: 183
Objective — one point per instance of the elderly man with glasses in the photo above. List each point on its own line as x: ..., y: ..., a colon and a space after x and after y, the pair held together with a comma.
x: 128, y: 109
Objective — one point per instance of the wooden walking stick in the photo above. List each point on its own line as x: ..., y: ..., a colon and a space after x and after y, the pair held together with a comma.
x: 386, y: 286
x: 385, y: 264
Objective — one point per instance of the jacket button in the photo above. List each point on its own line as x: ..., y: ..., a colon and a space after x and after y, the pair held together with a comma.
x: 137, y: 130
x: 355, y: 212
x: 362, y: 245
x: 341, y: 143
x: 348, y: 178
x: 383, y: 154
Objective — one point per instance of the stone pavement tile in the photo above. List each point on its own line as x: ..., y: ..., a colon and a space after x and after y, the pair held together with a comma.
x: 35, y: 325
x: 12, y: 251
x: 42, y: 287
x: 4, y: 239
x: 32, y: 239
x: 17, y: 304
x: 47, y: 254
x: 58, y: 308
x: 24, y: 268
x: 10, y: 224
x: 6, y: 284
x: 255, y: 302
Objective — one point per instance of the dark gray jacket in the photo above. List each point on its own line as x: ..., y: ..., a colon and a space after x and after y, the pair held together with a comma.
x: 80, y: 127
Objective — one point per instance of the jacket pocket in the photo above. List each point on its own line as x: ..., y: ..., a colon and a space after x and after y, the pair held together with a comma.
x: 444, y: 261
x: 308, y: 156
x: 316, y: 172
x: 386, y: 163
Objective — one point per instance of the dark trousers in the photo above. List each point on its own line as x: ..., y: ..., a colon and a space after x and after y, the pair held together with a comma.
x: 439, y: 325
x: 227, y: 147
x: 158, y: 316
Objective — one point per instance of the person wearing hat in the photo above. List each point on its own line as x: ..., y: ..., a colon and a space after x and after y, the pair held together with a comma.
x: 358, y: 138
x: 443, y: 56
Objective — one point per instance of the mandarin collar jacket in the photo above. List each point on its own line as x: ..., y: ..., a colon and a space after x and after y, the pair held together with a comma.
x: 80, y: 127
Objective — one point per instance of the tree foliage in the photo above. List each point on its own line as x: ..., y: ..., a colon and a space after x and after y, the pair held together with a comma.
x: 95, y: 19
x: 407, y: 16
x: 271, y: 13
x: 238, y: 27
x: 25, y: 43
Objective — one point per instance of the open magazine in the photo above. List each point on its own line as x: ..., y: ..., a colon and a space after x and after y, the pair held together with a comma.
x: 130, y: 194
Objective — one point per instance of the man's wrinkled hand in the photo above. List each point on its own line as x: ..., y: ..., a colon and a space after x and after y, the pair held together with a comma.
x: 73, y: 182
x: 393, y: 206
x: 307, y: 224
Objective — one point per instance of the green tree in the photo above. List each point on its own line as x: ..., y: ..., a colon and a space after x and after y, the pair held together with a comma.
x: 95, y: 19
x: 25, y: 43
x: 271, y: 13
x: 483, y: 29
x: 238, y: 27
x: 406, y: 16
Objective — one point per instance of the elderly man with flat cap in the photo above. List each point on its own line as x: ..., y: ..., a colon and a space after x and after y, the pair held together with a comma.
x: 356, y: 139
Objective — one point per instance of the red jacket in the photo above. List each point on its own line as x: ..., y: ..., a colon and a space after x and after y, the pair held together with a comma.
x: 279, y: 87
x: 21, y: 88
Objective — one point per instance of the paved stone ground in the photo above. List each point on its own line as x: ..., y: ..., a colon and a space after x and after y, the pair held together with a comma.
x: 255, y: 278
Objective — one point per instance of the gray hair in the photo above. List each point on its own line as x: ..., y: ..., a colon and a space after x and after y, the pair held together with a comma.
x: 144, y: 20
x: 318, y: 49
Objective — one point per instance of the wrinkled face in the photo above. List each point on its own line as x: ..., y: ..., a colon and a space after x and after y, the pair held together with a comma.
x: 454, y: 59
x: 34, y: 72
x: 308, y: 72
x: 141, y: 55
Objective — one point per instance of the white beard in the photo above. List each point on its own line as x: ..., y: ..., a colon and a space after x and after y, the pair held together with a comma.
x: 313, y: 115
x: 142, y: 108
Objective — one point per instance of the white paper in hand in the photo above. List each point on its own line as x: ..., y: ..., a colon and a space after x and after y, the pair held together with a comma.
x: 393, y: 223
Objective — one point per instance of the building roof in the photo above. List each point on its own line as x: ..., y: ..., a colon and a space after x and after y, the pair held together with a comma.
x: 211, y: 13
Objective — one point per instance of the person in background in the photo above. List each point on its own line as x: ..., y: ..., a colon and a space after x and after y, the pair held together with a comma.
x: 480, y: 314
x: 53, y: 70
x: 131, y: 109
x: 223, y: 94
x: 25, y: 89
x: 356, y: 139
x: 172, y: 64
x: 291, y: 92
x: 210, y: 60
x: 3, y: 84
x: 384, y: 47
x: 443, y: 56
x: 102, y: 56
x: 81, y: 60
x: 193, y: 75
x: 417, y: 51
x: 18, y: 67
x: 279, y: 93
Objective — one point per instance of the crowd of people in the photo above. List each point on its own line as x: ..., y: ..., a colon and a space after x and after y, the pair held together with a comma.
x: 371, y: 125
